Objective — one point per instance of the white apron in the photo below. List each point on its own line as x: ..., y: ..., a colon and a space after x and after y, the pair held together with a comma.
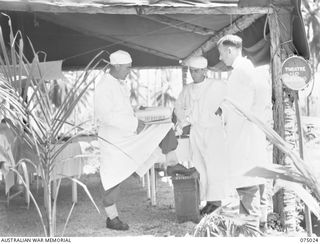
x: 246, y: 142
x: 134, y: 152
x: 117, y: 124
x: 207, y: 139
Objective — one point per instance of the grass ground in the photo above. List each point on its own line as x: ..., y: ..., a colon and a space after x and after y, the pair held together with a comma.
x: 134, y: 208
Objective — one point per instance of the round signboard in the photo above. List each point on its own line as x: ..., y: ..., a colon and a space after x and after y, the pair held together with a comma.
x: 296, y: 73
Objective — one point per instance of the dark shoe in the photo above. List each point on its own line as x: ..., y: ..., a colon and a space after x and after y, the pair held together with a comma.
x: 180, y: 169
x: 209, y: 208
x: 116, y: 224
x: 204, y: 210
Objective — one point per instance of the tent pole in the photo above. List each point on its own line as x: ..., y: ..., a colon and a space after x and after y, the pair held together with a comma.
x: 181, y: 25
x: 277, y: 87
x: 103, y: 7
x: 277, y: 96
x: 282, y: 110
x: 237, y: 26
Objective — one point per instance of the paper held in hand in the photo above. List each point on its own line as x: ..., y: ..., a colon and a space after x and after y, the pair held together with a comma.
x: 155, y: 115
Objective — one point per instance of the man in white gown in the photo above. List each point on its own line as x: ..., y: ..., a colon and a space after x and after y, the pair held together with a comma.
x: 197, y: 105
x: 246, y: 143
x: 126, y: 144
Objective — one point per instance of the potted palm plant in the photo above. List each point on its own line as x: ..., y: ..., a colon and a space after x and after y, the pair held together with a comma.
x: 30, y: 114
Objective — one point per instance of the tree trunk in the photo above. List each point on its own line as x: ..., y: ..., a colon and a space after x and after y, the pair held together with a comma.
x: 289, y: 213
x: 284, y: 120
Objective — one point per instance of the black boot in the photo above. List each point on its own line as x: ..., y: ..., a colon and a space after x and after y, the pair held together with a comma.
x: 180, y: 169
x: 116, y: 224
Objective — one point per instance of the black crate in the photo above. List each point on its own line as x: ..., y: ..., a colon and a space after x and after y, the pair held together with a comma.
x: 187, y: 198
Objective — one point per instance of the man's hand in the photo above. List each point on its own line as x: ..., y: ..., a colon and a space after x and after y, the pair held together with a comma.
x: 137, y: 108
x: 141, y: 125
x: 179, y: 129
x: 218, y: 112
x: 142, y: 108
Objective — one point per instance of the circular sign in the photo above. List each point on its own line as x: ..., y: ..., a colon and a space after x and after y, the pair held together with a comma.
x: 296, y: 73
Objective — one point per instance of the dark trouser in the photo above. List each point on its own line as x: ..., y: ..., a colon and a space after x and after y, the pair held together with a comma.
x: 263, y: 204
x: 110, y: 196
x: 169, y: 143
x: 254, y: 202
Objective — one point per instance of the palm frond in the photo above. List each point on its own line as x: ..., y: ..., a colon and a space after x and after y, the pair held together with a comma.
x: 302, y: 169
x: 301, y: 174
x: 36, y: 121
x: 222, y: 224
x: 33, y: 199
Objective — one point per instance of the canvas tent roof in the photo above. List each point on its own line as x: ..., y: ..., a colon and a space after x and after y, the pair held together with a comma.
x: 156, y: 33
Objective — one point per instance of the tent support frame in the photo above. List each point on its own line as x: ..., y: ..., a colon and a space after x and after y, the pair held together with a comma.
x: 239, y: 25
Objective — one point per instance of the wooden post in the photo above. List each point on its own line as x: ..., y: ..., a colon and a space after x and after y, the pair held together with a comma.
x: 283, y: 197
x: 143, y: 183
x: 284, y: 114
x: 277, y: 95
x: 104, y: 7
x: 307, y: 213
x: 153, y: 186
x: 148, y: 185
x: 277, y: 87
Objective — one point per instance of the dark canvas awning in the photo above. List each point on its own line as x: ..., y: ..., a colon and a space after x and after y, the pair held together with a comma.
x: 156, y: 33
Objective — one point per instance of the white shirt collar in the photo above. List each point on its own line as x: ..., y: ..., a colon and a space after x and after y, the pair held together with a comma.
x: 121, y: 82
x: 237, y: 61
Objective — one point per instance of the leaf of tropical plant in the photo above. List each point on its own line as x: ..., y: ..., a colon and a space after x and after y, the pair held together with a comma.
x: 27, y: 182
x: 274, y: 172
x: 310, y: 179
x: 26, y: 160
x: 74, y: 127
x: 33, y: 199
x: 58, y: 146
x: 54, y: 207
x: 68, y: 218
x: 225, y: 224
x: 71, y: 100
x: 85, y: 189
x: 4, y: 52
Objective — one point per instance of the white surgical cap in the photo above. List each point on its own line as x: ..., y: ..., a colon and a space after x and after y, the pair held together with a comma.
x: 197, y: 62
x: 120, y: 57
